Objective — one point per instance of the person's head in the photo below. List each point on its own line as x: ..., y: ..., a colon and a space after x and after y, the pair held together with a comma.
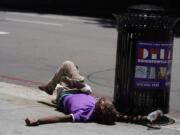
x: 104, y: 112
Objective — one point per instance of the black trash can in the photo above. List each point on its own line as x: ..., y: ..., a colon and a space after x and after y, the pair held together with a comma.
x: 143, y: 60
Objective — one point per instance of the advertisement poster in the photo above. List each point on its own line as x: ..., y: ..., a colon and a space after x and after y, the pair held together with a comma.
x: 153, y: 64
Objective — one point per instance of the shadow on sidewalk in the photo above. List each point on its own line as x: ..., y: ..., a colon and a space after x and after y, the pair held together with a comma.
x: 47, y: 104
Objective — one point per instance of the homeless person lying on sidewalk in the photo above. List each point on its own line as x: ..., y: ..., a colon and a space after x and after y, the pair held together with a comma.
x: 74, y: 99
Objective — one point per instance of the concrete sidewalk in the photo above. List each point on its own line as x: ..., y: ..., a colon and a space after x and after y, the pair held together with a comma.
x: 18, y: 102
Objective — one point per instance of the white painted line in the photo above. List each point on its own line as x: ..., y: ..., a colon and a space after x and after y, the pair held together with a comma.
x: 60, y: 17
x: 34, y: 22
x: 3, y: 33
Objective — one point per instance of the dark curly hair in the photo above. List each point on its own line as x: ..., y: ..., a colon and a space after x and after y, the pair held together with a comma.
x: 105, y: 113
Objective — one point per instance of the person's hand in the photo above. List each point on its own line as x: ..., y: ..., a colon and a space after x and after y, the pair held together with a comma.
x: 33, y: 122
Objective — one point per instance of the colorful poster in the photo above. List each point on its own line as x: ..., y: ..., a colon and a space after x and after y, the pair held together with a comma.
x: 153, y: 64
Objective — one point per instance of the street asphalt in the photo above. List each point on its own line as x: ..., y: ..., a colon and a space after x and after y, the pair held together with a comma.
x: 29, y: 57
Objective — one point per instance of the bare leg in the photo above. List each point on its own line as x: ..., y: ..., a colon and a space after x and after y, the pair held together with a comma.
x: 68, y: 69
x: 48, y: 120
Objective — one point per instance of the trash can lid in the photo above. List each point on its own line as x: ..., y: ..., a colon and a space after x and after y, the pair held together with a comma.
x: 146, y: 8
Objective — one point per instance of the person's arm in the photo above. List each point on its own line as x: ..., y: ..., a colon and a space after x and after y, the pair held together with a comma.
x: 50, y: 119
x: 149, y: 118
x: 125, y: 118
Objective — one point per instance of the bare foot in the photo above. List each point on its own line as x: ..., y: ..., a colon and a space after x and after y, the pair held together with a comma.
x: 45, y: 89
x: 33, y: 122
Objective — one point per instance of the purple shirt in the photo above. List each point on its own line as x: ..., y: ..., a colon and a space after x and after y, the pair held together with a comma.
x: 80, y: 106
